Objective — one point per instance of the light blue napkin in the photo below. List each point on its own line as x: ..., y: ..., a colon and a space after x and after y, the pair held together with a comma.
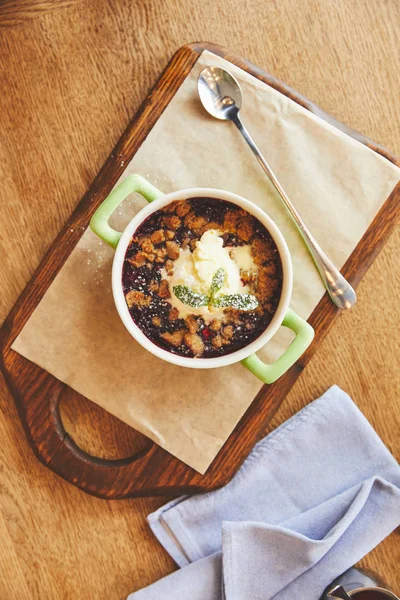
x: 312, y: 499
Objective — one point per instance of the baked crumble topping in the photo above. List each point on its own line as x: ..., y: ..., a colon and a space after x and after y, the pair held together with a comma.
x: 170, y: 247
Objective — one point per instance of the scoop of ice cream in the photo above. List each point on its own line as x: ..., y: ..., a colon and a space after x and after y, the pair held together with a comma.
x: 208, y: 257
x: 196, y: 270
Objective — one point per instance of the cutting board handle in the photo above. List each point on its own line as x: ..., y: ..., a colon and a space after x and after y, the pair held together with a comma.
x: 38, y: 403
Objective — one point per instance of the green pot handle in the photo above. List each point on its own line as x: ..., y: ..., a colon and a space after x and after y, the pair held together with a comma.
x: 304, y: 336
x: 132, y: 183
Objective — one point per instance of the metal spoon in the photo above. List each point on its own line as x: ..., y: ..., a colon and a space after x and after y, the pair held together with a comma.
x: 339, y: 592
x: 221, y: 96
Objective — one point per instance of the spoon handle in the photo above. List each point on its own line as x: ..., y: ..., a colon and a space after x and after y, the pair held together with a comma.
x: 340, y: 291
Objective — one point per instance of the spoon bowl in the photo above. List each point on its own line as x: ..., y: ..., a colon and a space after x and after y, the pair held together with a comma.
x: 219, y: 92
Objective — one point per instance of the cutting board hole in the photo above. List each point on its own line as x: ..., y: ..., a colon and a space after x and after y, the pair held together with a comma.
x: 96, y: 431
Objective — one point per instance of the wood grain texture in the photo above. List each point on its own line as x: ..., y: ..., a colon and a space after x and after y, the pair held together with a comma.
x: 71, y: 80
x: 15, y: 12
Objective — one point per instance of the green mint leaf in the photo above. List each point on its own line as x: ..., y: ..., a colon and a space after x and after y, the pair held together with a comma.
x: 217, y: 281
x: 238, y: 301
x: 187, y: 296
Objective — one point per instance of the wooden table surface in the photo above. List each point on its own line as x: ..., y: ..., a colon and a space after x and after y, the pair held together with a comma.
x: 72, y: 75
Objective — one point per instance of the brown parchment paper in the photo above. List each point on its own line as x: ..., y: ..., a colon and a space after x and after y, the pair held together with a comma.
x: 337, y: 184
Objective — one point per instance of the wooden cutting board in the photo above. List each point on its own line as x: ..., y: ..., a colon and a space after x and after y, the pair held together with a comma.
x: 37, y: 393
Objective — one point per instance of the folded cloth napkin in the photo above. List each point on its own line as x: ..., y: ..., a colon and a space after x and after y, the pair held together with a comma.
x: 312, y: 499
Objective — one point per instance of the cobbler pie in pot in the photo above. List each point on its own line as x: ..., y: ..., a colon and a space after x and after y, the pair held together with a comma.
x: 202, y: 277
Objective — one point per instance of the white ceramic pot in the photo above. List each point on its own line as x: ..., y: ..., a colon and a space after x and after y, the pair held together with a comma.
x: 247, y: 355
